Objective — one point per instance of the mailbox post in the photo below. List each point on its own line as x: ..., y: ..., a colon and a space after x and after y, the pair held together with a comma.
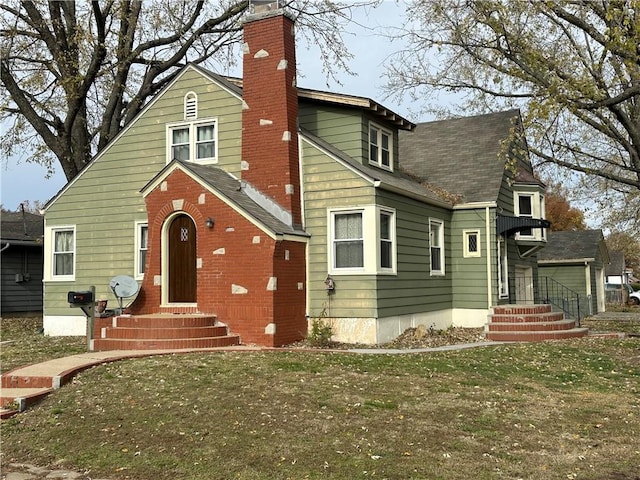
x: 85, y: 300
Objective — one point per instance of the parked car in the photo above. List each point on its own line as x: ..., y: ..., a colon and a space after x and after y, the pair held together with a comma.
x: 634, y: 295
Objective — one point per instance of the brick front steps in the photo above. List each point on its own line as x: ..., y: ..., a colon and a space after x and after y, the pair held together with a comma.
x: 530, y: 323
x: 161, y: 331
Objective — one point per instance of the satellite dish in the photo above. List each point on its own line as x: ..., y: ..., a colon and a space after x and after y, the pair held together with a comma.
x: 123, y: 286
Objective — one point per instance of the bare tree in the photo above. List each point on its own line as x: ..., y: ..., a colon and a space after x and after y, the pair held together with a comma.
x: 78, y: 71
x: 572, y: 66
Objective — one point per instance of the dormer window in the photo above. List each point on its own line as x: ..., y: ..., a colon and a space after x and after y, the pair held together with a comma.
x: 380, y: 147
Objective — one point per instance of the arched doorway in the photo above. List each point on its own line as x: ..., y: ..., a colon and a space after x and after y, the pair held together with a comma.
x: 182, y: 260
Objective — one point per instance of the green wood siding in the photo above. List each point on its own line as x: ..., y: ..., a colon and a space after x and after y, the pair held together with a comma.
x: 327, y: 184
x: 341, y: 127
x: 413, y: 289
x: 469, y: 275
x: 104, y: 202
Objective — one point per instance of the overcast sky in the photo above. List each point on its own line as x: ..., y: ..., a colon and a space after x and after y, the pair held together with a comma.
x: 25, y: 181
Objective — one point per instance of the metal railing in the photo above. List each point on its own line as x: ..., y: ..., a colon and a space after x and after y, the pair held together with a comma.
x: 548, y: 290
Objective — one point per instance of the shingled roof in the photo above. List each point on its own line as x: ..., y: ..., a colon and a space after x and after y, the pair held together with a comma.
x: 573, y: 246
x: 617, y: 265
x: 460, y: 155
x: 230, y: 189
x: 21, y: 228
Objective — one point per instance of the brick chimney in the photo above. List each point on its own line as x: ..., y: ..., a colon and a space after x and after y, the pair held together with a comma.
x: 270, y: 169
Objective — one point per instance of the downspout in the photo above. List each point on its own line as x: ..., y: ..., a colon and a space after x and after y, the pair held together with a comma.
x: 488, y: 235
x: 5, y: 247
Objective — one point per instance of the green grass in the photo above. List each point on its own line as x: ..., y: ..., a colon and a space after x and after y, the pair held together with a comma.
x: 554, y: 410
x: 24, y: 344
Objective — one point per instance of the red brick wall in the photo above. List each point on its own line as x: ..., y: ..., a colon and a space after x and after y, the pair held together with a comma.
x: 271, y: 95
x: 250, y: 259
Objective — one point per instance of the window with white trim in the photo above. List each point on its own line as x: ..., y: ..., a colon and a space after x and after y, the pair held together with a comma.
x: 471, y: 240
x: 503, y: 268
x: 193, y: 142
x: 386, y: 238
x: 530, y: 205
x: 380, y: 147
x: 142, y: 244
x: 362, y: 241
x: 63, y: 253
x: 348, y: 240
x: 436, y: 245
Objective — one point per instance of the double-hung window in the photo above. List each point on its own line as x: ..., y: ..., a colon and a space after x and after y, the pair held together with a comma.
x: 142, y: 244
x: 348, y: 242
x: 436, y: 245
x: 193, y: 142
x: 362, y: 241
x: 380, y: 147
x: 63, y: 251
x: 386, y: 240
x: 530, y: 205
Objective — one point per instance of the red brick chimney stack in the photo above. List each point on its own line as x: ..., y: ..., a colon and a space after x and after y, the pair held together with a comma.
x: 270, y: 112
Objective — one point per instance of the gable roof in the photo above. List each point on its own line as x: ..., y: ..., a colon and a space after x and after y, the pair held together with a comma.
x: 22, y: 228
x: 617, y: 265
x: 574, y: 246
x: 397, y: 182
x: 228, y: 189
x: 461, y: 155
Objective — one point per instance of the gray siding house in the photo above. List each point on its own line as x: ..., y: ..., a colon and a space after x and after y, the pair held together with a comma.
x: 21, y: 263
x: 364, y: 220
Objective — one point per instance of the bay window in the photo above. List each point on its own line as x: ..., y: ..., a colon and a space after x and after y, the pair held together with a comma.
x: 362, y: 241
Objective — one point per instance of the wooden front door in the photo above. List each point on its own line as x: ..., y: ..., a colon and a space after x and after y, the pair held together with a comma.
x: 182, y: 260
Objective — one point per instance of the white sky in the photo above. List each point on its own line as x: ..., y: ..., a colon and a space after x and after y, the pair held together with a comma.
x: 22, y: 181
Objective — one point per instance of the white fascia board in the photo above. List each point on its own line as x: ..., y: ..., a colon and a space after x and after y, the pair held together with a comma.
x: 126, y: 128
x: 576, y: 261
x: 337, y: 159
x: 474, y: 205
x: 273, y: 235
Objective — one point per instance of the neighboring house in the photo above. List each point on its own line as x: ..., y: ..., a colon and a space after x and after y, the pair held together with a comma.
x: 21, y: 273
x: 575, y: 260
x: 616, y: 272
x: 270, y: 206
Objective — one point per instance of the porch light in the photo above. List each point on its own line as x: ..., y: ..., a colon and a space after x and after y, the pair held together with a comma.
x: 209, y: 222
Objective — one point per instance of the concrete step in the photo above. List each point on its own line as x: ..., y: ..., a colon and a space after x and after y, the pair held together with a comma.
x: 536, y: 336
x: 526, y: 317
x: 531, y: 326
x: 525, y: 309
x: 21, y: 398
x: 163, y: 332
x: 102, y: 344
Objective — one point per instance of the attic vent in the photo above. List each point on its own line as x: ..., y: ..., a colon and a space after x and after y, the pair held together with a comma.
x: 190, y: 106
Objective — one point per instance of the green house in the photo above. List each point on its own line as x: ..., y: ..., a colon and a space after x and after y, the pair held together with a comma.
x: 295, y: 205
x: 572, y: 267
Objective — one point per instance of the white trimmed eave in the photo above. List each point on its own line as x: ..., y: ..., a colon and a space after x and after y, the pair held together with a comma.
x: 127, y: 127
x: 278, y: 236
x: 573, y: 261
x: 374, y: 182
x: 475, y: 205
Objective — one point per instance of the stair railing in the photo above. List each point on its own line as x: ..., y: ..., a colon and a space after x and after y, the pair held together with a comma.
x: 548, y: 290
